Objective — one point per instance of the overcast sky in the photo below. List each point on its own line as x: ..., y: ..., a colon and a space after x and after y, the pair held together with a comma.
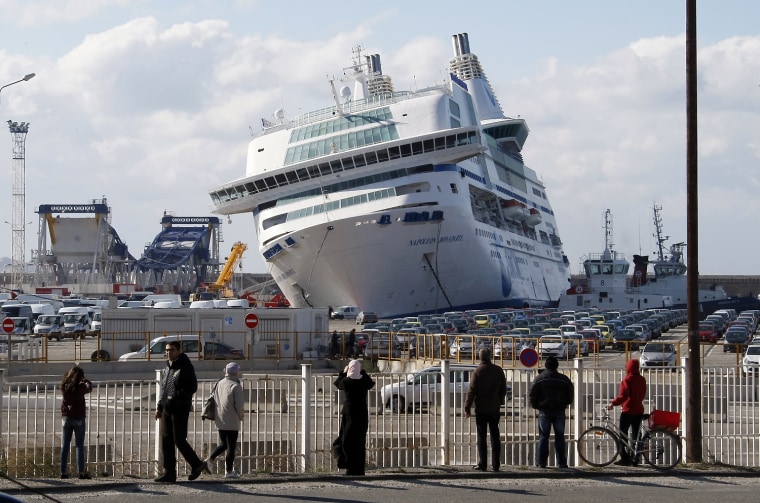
x: 151, y: 103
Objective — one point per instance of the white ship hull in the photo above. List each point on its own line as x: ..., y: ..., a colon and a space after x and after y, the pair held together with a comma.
x: 397, y: 203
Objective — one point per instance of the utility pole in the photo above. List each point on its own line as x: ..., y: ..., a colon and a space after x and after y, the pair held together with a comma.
x: 694, y: 382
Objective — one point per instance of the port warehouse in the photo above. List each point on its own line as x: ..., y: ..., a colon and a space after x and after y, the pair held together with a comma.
x: 281, y: 333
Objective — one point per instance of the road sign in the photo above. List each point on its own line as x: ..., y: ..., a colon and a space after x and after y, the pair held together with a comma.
x: 8, y: 325
x: 251, y: 320
x: 529, y: 357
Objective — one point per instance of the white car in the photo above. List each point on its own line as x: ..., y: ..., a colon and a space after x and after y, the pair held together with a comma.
x: 421, y: 388
x: 658, y: 354
x: 751, y: 359
x: 560, y: 346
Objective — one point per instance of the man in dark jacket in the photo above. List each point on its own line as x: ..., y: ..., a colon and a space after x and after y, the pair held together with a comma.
x: 488, y: 388
x: 178, y: 385
x: 550, y: 394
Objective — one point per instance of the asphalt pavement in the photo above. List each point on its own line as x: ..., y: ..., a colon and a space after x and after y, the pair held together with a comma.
x: 696, y: 483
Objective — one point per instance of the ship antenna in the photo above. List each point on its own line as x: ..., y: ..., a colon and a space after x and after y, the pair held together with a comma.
x: 658, y: 233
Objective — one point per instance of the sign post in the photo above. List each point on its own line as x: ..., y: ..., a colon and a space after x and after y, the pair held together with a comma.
x: 251, y: 321
x: 8, y: 327
x: 529, y: 357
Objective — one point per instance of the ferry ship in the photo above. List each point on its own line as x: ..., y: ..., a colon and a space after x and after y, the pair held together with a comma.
x: 607, y: 284
x: 401, y: 202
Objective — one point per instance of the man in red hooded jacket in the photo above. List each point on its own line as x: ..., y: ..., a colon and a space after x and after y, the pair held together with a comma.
x: 633, y: 389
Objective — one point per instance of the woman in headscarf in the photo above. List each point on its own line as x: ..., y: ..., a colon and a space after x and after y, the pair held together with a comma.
x: 349, y: 448
x: 633, y: 389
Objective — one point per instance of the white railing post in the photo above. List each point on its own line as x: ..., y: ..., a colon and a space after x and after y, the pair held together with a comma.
x: 445, y: 423
x: 578, y: 403
x: 2, y: 412
x: 305, y: 416
x: 685, y: 402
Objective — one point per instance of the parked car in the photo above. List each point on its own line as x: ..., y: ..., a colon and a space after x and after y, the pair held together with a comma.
x: 420, y: 389
x: 625, y: 339
x: 556, y: 345
x: 594, y: 339
x: 708, y: 332
x: 342, y: 312
x: 659, y: 354
x: 380, y: 345
x: 366, y: 317
x: 751, y: 360
x: 208, y: 350
x: 735, y: 339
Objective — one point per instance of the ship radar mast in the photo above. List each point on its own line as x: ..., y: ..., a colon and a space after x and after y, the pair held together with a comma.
x: 676, y: 250
x: 608, y: 245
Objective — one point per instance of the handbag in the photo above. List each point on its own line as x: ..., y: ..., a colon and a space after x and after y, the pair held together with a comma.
x: 209, y: 406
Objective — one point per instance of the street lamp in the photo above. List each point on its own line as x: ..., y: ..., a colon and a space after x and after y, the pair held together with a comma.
x: 28, y: 76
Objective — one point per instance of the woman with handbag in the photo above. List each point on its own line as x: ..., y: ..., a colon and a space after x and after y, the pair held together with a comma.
x: 349, y: 448
x: 228, y: 397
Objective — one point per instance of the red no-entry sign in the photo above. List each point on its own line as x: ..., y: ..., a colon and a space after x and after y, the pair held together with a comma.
x: 8, y: 325
x: 251, y: 320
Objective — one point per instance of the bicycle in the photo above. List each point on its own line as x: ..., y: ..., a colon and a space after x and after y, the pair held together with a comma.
x: 600, y: 445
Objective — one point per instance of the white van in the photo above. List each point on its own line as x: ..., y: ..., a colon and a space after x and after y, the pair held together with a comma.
x: 41, y: 309
x: 347, y: 312
x: 76, y: 321
x: 49, y: 325
x: 192, y: 346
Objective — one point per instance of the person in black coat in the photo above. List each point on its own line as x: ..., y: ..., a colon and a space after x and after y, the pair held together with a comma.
x: 349, y: 448
x: 550, y: 395
x: 178, y: 385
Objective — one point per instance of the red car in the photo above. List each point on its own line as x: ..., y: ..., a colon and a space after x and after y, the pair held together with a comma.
x: 707, y: 332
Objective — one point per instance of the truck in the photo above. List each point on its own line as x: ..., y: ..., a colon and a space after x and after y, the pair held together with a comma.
x: 284, y: 333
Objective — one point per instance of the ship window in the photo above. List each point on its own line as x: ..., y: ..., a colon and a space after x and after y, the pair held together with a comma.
x: 406, y: 150
x: 348, y: 163
x: 455, y: 122
x: 291, y: 176
x: 302, y: 173
x: 454, y: 189
x: 271, y: 184
x: 250, y: 188
x: 428, y: 145
x: 440, y: 143
x: 394, y: 152
x: 359, y: 161
x: 371, y: 157
x: 382, y: 155
x: 314, y: 171
x: 336, y: 166
x: 280, y: 179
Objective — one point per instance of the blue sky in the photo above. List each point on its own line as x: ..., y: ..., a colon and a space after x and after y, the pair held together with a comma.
x: 151, y: 103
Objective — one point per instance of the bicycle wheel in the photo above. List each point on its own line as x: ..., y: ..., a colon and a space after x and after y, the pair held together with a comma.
x: 598, y: 446
x: 662, y: 449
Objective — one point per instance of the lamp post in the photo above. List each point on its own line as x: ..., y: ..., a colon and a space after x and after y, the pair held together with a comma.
x: 26, y: 77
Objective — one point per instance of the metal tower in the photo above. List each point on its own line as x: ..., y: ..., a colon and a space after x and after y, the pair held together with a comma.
x: 18, y: 199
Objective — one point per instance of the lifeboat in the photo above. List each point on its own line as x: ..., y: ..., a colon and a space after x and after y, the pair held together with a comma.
x: 512, y: 208
x: 534, y: 217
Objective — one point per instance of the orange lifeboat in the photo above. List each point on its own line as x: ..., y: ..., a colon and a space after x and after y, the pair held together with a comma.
x: 534, y: 217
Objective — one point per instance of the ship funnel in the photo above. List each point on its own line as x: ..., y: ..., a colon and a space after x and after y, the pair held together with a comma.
x: 373, y: 61
x: 461, y: 44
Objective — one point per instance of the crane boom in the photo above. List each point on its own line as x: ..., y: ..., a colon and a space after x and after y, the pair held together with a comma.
x: 225, y: 277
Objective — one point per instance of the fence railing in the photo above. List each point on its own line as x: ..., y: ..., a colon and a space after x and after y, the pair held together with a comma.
x: 291, y: 421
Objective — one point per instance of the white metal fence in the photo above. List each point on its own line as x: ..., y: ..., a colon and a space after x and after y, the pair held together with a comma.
x: 291, y: 421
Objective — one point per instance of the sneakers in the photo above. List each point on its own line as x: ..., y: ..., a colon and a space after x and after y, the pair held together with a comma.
x: 232, y: 475
x: 85, y: 476
x: 207, y: 465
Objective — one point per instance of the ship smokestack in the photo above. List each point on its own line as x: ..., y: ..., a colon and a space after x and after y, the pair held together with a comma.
x: 640, y: 265
x: 461, y: 44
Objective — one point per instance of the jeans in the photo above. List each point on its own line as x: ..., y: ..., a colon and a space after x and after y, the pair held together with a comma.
x: 485, y: 421
x: 546, y: 421
x: 227, y: 441
x: 69, y: 426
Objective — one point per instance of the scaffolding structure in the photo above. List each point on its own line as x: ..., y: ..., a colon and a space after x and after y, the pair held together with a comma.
x: 18, y: 200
